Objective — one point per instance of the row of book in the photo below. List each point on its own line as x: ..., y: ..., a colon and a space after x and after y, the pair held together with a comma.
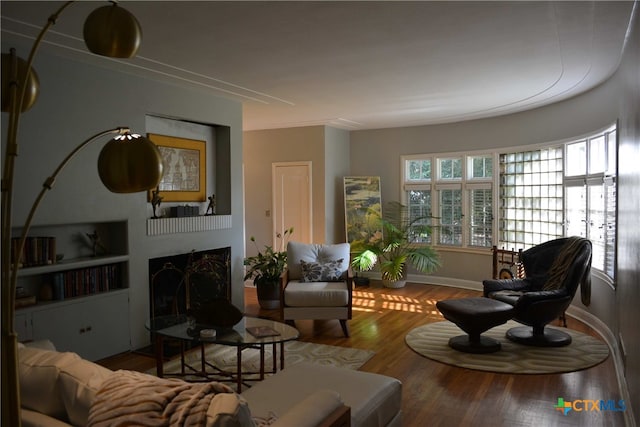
x: 36, y: 251
x: 86, y: 281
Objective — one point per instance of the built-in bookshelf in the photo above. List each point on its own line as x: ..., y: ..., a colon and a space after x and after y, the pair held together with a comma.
x: 73, y: 260
x: 79, y: 290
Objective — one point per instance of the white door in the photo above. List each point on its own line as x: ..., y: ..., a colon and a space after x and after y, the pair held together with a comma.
x: 292, y: 200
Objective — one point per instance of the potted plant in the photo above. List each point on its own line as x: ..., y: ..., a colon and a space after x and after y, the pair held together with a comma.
x: 397, y: 245
x: 265, y: 269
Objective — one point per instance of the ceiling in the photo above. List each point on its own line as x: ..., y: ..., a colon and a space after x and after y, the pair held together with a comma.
x: 359, y: 65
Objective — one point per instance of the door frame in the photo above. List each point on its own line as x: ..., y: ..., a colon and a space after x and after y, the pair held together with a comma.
x: 309, y: 165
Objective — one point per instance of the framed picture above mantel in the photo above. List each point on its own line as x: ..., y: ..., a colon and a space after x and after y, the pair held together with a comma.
x: 184, y: 176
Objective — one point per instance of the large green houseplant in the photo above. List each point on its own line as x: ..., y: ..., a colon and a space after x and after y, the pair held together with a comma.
x: 396, y: 246
x: 265, y: 268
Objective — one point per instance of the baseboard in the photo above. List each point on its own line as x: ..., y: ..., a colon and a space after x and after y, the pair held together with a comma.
x: 618, y: 360
x: 434, y: 280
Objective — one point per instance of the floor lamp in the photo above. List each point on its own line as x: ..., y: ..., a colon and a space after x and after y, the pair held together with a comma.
x: 128, y: 163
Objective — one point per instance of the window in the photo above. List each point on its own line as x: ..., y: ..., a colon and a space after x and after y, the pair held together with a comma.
x: 531, y: 209
x: 459, y: 199
x: 590, y: 194
x: 562, y: 189
x: 450, y: 213
x: 450, y: 169
x: 481, y: 217
x: 420, y: 207
x: 480, y: 167
x: 418, y: 195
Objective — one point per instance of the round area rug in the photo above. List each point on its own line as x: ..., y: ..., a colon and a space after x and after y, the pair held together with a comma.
x: 431, y: 340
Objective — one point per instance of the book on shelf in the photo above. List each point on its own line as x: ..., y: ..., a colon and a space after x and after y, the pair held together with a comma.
x: 25, y: 301
x: 87, y: 281
x: 262, y: 331
x: 36, y: 251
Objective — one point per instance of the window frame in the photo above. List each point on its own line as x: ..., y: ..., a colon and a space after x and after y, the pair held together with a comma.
x: 465, y: 183
x: 468, y: 183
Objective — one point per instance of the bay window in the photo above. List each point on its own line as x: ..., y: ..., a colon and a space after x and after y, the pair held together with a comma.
x: 538, y: 194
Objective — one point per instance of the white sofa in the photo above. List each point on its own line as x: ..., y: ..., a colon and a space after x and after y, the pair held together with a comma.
x: 59, y: 389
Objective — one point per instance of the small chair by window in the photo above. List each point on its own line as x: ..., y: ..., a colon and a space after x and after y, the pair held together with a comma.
x: 317, y: 283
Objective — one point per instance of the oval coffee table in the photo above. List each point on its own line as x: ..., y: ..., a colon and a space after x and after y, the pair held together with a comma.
x: 181, y: 328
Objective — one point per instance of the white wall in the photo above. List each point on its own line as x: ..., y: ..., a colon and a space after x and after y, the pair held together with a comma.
x: 78, y: 100
x: 261, y: 150
x: 377, y: 152
x: 336, y: 153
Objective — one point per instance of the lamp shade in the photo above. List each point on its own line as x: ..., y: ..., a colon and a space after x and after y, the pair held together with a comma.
x: 112, y: 31
x: 31, y: 81
x: 130, y: 163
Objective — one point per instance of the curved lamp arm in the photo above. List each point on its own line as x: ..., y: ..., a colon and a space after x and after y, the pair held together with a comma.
x: 46, y: 186
x: 112, y: 32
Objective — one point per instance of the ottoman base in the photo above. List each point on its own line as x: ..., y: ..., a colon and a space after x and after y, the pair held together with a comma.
x: 468, y: 345
x: 475, y: 316
x: 546, y: 338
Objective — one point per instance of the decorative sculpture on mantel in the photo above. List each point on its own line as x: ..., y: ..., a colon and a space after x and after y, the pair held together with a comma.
x: 156, y: 199
x: 212, y: 205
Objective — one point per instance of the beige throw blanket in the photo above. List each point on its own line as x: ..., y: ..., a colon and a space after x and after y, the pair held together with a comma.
x: 130, y: 398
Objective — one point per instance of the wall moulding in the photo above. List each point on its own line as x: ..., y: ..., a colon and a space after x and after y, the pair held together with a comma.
x: 192, y: 224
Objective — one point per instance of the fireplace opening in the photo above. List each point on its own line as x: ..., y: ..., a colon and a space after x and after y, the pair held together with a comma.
x: 180, y: 282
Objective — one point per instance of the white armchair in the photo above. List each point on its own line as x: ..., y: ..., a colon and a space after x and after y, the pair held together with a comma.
x: 317, y: 283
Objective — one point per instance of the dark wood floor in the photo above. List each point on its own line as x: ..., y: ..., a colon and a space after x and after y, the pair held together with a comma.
x: 436, y: 394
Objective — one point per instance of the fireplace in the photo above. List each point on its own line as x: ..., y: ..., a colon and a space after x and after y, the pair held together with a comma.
x: 180, y: 282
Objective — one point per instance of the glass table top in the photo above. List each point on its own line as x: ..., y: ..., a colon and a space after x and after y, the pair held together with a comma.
x: 182, y: 327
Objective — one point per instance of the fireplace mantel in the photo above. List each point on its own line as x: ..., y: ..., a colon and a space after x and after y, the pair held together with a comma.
x: 191, y: 224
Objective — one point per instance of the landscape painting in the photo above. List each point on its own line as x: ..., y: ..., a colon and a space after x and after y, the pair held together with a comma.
x: 363, y: 207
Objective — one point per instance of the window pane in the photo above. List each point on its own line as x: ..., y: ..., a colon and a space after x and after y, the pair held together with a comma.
x: 596, y: 225
x: 576, y: 211
x: 481, y: 222
x: 419, y: 170
x: 610, y: 226
x: 450, y: 169
x: 597, y: 155
x: 420, y: 207
x: 576, y: 159
x: 481, y: 167
x: 611, y: 153
x: 450, y: 230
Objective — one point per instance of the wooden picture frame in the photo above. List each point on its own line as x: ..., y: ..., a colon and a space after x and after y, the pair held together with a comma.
x: 185, y: 170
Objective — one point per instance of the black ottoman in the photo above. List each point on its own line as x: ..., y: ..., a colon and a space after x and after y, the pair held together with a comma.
x: 474, y: 316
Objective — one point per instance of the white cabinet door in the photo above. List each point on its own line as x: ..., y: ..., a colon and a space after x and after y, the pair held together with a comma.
x: 94, y: 327
x: 23, y: 326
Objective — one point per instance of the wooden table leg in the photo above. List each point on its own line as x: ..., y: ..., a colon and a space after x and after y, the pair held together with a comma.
x: 159, y: 356
x: 182, y: 370
x: 261, y: 362
x: 282, y: 355
x: 239, y: 369
x: 274, y: 357
x: 203, y: 365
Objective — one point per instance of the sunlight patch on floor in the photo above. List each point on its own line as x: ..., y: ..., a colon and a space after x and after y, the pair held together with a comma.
x: 370, y: 302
